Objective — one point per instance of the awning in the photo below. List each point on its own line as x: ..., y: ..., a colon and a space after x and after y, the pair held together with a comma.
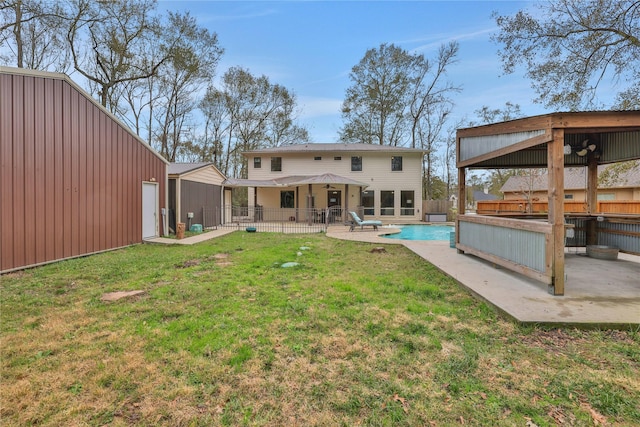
x: 294, y: 180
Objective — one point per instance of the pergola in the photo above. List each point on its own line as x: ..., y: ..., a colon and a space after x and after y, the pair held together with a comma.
x: 534, y: 245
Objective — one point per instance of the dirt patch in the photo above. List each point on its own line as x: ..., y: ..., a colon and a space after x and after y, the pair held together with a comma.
x: 115, y: 296
x: 222, y: 260
x: 189, y: 263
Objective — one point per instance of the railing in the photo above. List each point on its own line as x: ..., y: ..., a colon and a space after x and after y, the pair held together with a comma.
x: 286, y: 220
x: 519, y: 245
x: 506, y: 207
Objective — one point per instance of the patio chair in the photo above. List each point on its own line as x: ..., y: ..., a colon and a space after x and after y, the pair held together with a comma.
x: 361, y: 223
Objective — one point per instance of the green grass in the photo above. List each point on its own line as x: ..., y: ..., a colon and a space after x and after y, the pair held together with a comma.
x: 224, y: 336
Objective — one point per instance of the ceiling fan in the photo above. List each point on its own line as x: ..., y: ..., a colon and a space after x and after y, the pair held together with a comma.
x: 584, y: 148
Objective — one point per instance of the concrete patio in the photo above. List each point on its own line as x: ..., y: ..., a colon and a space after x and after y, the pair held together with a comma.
x: 598, y: 293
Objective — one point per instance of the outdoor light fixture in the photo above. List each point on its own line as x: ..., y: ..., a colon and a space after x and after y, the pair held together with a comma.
x: 567, y: 149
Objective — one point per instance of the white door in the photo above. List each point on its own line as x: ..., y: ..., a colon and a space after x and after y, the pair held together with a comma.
x: 149, y: 210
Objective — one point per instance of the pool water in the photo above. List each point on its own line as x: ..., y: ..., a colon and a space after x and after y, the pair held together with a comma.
x: 422, y: 232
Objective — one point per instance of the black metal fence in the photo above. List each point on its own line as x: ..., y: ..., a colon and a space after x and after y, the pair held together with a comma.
x: 283, y: 220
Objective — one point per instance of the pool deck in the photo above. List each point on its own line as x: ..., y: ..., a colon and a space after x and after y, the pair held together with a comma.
x: 598, y: 293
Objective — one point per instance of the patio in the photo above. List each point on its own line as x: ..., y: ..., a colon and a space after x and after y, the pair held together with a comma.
x: 599, y: 293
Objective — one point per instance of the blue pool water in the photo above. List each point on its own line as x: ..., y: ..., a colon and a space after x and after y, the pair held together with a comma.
x: 422, y: 232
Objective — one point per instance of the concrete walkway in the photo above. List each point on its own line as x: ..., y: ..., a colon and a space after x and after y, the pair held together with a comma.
x: 220, y: 231
x: 598, y: 293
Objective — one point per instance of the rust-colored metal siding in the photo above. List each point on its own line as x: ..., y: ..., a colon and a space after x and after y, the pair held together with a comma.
x: 70, y: 174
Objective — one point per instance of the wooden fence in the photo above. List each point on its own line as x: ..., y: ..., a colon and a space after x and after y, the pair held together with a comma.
x: 439, y: 207
x: 505, y: 207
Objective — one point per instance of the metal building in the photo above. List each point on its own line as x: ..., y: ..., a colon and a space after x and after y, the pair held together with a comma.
x: 74, y: 180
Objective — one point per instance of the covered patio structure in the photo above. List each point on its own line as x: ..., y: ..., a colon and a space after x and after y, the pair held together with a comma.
x: 534, y: 244
x: 324, y: 198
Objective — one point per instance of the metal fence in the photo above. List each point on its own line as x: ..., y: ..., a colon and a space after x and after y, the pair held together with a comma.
x: 283, y: 220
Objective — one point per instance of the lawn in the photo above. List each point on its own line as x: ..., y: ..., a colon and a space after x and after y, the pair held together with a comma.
x: 223, y: 335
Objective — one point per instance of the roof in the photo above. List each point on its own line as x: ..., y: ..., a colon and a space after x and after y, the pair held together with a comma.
x: 293, y: 180
x: 527, y: 142
x: 481, y: 195
x: 180, y: 168
x: 326, y: 147
x: 67, y: 79
x: 574, y: 179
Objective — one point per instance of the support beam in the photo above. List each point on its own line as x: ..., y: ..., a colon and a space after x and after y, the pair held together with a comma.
x: 555, y: 164
x: 462, y: 201
x: 592, y: 198
x: 310, y: 212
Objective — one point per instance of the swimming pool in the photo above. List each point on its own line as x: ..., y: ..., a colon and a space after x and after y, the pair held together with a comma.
x: 422, y: 232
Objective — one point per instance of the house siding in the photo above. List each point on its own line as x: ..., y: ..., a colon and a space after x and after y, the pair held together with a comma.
x: 206, y: 175
x: 376, y: 173
x: 71, y: 175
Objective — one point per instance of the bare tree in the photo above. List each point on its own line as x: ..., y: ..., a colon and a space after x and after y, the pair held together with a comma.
x: 110, y: 44
x: 31, y: 30
x: 246, y: 113
x: 570, y: 46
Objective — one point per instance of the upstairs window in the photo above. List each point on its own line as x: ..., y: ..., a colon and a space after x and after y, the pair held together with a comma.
x: 317, y: 158
x: 337, y: 158
x: 276, y: 164
x: 257, y: 162
x: 356, y: 163
x: 396, y: 163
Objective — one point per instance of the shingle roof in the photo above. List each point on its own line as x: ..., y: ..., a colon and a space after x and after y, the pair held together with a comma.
x: 180, y: 168
x: 321, y: 147
x: 574, y: 179
x: 481, y: 195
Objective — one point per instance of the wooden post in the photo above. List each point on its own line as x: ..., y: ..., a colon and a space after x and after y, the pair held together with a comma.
x: 462, y: 192
x: 555, y: 164
x: 592, y: 199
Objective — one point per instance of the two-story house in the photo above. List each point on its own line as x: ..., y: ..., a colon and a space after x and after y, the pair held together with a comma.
x: 381, y: 182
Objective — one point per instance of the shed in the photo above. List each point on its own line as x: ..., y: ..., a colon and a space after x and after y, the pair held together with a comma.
x: 534, y: 244
x: 74, y: 180
x: 195, y: 194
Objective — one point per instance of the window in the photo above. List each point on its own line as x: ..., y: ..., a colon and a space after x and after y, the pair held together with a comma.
x: 568, y: 196
x: 287, y: 199
x: 396, y: 163
x: 276, y: 164
x: 406, y: 203
x: 386, y: 202
x: 337, y: 158
x: 368, y: 202
x: 317, y: 158
x: 257, y: 162
x: 356, y: 163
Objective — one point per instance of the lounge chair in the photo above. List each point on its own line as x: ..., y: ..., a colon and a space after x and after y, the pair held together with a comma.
x: 361, y: 223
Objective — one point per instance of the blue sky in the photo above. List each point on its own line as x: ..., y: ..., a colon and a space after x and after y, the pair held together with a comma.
x: 310, y: 47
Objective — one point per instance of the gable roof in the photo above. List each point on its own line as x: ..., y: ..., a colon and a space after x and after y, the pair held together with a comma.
x: 574, y: 179
x: 326, y: 147
x: 180, y: 168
